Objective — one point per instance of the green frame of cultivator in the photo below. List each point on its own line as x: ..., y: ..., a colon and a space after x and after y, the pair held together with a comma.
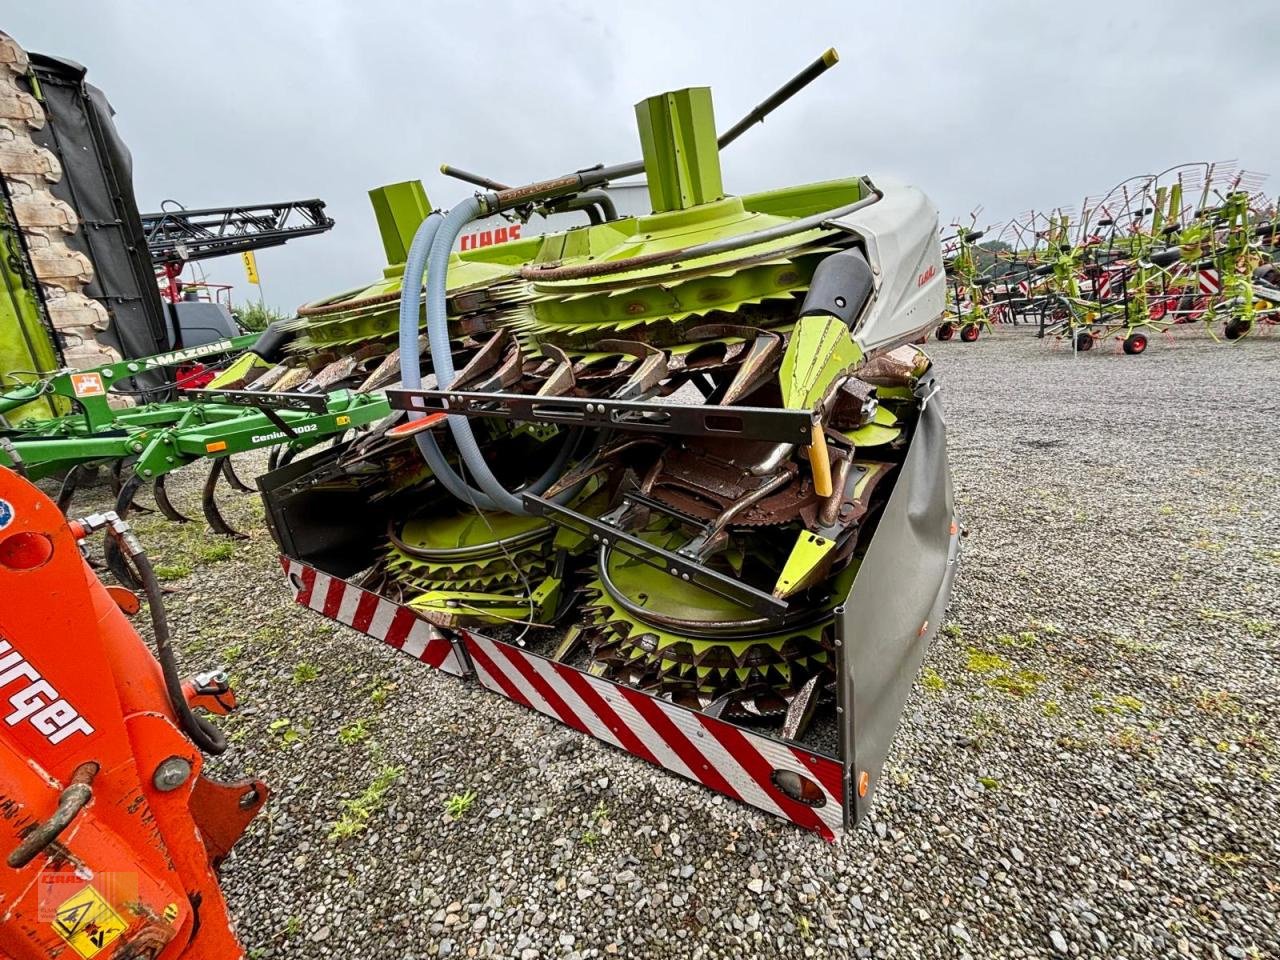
x: 158, y: 438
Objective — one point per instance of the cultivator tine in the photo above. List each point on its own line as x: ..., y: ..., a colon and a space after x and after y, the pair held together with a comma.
x: 209, y: 504
x: 166, y: 506
x: 118, y: 484
x: 232, y: 478
x: 68, y: 488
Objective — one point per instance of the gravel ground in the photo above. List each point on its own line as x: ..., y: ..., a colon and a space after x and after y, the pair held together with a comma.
x: 1087, y: 767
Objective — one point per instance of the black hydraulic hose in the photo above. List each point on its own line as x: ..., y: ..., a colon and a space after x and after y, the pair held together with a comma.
x: 204, y: 734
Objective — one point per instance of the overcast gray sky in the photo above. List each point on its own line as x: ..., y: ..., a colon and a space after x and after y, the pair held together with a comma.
x: 1010, y: 104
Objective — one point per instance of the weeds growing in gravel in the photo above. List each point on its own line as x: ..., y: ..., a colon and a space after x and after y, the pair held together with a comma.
x: 352, y: 733
x: 1255, y: 626
x: 174, y: 572
x: 357, y: 813
x: 1026, y: 638
x: 305, y: 672
x: 458, y: 805
x: 1130, y: 645
x: 932, y: 680
x: 380, y: 691
x: 283, y: 728
x: 1217, y: 701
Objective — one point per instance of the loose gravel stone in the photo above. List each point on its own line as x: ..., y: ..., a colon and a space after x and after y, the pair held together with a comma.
x: 1105, y: 786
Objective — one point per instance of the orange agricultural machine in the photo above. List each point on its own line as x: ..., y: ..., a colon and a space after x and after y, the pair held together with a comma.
x: 110, y: 833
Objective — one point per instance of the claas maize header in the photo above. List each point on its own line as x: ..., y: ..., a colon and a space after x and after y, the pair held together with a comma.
x: 678, y: 481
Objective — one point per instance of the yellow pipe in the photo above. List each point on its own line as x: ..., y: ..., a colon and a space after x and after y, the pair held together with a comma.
x: 820, y: 461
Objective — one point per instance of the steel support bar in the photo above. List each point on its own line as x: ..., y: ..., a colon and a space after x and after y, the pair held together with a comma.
x: 607, y: 535
x: 690, y: 420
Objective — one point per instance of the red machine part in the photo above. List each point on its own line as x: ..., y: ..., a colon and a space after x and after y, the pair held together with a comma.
x: 91, y: 744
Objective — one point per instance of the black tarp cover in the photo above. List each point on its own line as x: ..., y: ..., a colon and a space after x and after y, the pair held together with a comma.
x: 97, y: 182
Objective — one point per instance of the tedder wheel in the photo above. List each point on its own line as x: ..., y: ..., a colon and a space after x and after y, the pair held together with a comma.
x: 969, y: 332
x: 1084, y: 340
x: 1135, y: 343
x: 1236, y: 329
x: 945, y: 331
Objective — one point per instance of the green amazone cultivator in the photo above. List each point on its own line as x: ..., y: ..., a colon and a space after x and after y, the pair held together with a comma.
x: 678, y: 481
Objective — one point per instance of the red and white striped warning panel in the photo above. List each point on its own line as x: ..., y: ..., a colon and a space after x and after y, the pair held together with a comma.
x: 726, y: 758
x: 395, y: 625
x: 1210, y: 281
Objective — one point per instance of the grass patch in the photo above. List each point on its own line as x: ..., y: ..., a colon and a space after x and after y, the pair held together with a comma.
x: 982, y: 662
x: 357, y: 813
x: 175, y: 571
x: 216, y: 552
x: 932, y: 680
x: 1123, y: 704
x: 1018, y: 683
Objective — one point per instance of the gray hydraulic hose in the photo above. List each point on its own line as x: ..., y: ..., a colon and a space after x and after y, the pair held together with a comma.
x: 411, y: 361
x: 441, y: 358
x: 411, y: 378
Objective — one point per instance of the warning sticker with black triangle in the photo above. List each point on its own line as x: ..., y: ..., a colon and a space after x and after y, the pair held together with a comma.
x: 88, y: 923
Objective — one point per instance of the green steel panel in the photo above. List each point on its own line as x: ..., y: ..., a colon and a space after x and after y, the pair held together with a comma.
x: 678, y: 140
